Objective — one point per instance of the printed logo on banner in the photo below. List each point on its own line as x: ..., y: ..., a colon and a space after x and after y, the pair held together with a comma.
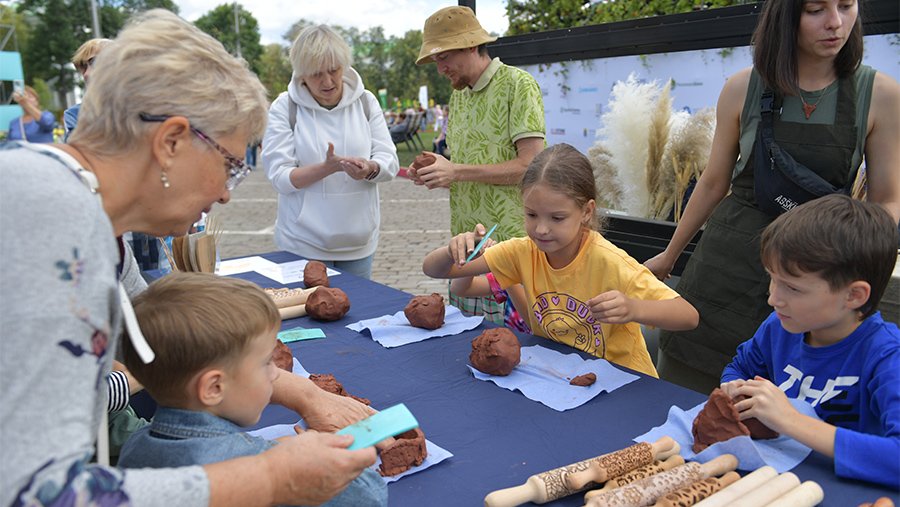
x: 598, y: 110
x: 570, y: 110
x: 558, y: 132
x: 676, y: 84
x: 590, y: 133
x: 589, y: 89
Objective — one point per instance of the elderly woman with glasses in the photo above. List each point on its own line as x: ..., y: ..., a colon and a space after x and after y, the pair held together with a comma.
x: 326, y: 147
x: 167, y: 109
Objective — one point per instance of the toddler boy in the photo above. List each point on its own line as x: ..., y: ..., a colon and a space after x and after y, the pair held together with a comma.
x: 214, y: 338
x: 830, y: 261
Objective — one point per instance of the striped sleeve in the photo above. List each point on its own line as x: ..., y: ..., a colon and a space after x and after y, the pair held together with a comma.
x: 118, y: 391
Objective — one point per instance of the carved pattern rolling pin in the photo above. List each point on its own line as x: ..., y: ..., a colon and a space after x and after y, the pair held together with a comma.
x: 645, y: 492
x: 686, y: 497
x: 552, y: 484
x: 750, y: 482
x: 638, y: 473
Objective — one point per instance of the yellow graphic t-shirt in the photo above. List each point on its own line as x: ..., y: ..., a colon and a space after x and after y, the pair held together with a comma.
x: 558, y: 297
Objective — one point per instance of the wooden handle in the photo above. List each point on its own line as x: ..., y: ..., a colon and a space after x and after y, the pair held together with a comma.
x: 749, y: 483
x: 292, y: 312
x: 517, y: 495
x: 719, y: 465
x: 284, y: 298
x: 768, y: 491
x: 620, y: 462
x: 807, y: 494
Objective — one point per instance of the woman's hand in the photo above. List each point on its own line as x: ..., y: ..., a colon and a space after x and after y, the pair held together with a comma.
x: 331, y: 412
x: 660, y: 265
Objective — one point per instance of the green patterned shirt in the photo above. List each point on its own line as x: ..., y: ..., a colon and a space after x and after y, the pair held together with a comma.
x: 505, y: 105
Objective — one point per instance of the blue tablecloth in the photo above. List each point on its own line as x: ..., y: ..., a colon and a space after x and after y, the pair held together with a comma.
x: 498, y: 437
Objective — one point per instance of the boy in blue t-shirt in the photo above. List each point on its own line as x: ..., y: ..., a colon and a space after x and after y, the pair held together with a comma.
x: 830, y: 261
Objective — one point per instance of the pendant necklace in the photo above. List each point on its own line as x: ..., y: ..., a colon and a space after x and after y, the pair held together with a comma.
x: 808, y: 108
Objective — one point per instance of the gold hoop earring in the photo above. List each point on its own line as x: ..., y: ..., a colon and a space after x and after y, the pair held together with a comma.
x: 165, y: 180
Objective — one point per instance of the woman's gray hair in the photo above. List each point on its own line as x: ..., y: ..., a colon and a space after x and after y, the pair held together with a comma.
x: 319, y: 48
x: 162, y: 65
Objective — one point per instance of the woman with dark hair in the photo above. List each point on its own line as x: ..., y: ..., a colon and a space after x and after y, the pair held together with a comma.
x: 807, y: 101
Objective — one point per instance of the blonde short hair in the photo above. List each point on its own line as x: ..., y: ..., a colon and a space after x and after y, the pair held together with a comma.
x: 317, y: 48
x: 88, y: 50
x: 163, y: 65
x: 193, y: 321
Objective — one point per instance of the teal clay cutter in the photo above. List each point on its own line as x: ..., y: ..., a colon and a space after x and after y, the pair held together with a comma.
x: 481, y: 243
x: 373, y: 429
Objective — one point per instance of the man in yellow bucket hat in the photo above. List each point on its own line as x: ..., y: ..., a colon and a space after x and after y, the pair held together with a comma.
x: 496, y: 127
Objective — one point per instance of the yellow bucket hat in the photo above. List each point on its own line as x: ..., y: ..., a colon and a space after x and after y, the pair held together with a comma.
x: 451, y: 28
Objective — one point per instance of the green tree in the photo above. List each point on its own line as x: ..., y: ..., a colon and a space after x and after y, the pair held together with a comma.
x: 528, y: 16
x: 404, y: 77
x: 275, y: 69
x: 219, y: 23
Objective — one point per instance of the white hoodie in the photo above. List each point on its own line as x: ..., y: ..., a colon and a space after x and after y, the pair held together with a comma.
x: 337, y: 217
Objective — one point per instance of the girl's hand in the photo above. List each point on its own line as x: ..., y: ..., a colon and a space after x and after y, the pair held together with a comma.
x: 612, y: 307
x: 767, y: 403
x: 464, y: 244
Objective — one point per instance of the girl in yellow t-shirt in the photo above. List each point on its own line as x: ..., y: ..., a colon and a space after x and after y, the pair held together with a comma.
x: 580, y: 289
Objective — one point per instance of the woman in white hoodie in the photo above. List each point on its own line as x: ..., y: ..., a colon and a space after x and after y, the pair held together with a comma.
x: 325, y: 149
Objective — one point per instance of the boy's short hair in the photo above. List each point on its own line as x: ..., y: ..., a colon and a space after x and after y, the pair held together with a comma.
x: 838, y: 238
x: 193, y: 321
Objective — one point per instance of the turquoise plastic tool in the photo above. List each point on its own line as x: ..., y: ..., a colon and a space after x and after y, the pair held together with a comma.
x: 386, y: 423
x: 481, y: 243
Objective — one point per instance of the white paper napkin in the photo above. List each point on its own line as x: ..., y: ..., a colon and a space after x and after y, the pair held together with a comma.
x: 395, y: 330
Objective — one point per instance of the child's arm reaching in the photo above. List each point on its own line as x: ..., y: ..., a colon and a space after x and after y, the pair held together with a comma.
x: 450, y: 261
x: 614, y: 307
x: 470, y: 286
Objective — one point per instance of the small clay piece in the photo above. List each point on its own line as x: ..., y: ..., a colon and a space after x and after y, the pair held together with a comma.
x: 719, y: 421
x: 426, y: 312
x: 585, y: 380
x: 315, y: 274
x: 327, y: 304
x: 758, y: 430
x: 283, y: 357
x: 495, y: 351
x: 422, y: 160
x: 327, y: 382
x: 407, y: 451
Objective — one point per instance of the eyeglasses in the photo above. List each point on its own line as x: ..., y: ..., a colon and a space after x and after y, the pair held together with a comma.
x: 237, y: 169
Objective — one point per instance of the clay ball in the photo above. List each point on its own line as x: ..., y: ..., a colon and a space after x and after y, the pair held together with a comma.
x: 495, y: 351
x: 422, y: 160
x: 585, y: 380
x: 327, y: 304
x: 407, y: 451
x: 283, y: 357
x: 315, y: 274
x: 426, y: 312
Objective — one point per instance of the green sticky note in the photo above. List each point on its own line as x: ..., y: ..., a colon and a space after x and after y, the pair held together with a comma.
x: 299, y: 333
x: 387, y: 423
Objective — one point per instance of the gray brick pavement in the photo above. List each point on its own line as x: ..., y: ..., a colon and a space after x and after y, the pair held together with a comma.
x: 414, y: 221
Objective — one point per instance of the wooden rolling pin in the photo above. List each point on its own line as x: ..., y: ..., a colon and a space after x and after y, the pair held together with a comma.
x: 602, y: 470
x: 552, y: 485
x: 285, y: 298
x: 750, y: 482
x: 647, y: 491
x: 807, y: 494
x: 768, y: 491
x: 686, y: 497
x: 292, y: 312
x: 638, y: 473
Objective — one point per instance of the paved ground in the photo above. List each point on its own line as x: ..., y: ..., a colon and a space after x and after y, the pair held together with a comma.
x: 414, y: 221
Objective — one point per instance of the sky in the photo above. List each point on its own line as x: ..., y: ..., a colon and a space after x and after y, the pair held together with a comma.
x: 275, y: 17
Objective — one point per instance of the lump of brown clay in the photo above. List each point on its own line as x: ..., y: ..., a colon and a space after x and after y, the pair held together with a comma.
x: 758, y: 430
x: 407, y: 451
x: 426, y: 312
x: 327, y: 304
x: 283, y: 357
x: 495, y: 351
x: 327, y: 382
x: 422, y: 160
x: 315, y: 274
x: 719, y: 421
x: 585, y: 380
